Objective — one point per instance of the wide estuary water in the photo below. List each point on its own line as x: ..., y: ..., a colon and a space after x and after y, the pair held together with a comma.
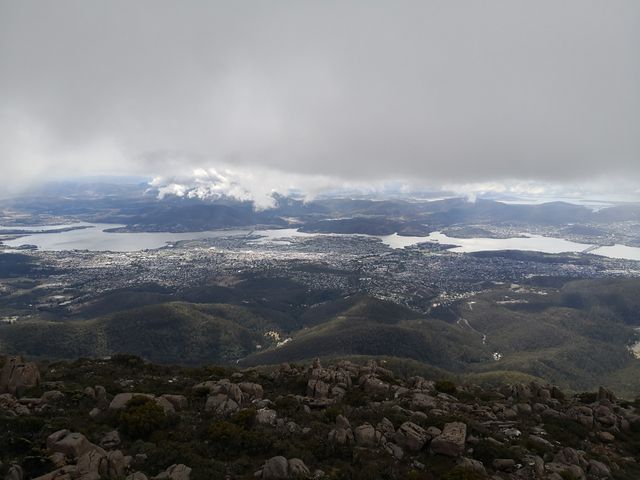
x: 94, y: 237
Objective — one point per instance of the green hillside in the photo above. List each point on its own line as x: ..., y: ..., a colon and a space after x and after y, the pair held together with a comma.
x: 373, y: 327
x: 573, y: 333
x: 168, y: 333
x: 577, y: 335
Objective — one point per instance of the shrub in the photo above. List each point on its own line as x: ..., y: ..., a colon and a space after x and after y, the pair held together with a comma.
x: 446, y: 386
x: 486, y: 452
x: 230, y: 440
x: 142, y: 417
x: 630, y: 471
x: 127, y: 360
x: 18, y: 434
x: 536, y: 447
x: 567, y: 475
x: 287, y: 405
x: 356, y: 398
x: 463, y: 474
x: 37, y: 465
x: 588, y: 397
x: 416, y: 475
x: 218, y: 372
x: 567, y: 432
x: 201, y: 392
x: 245, y: 418
x: 332, y: 412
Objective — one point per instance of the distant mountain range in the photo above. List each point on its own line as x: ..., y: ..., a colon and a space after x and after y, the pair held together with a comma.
x: 139, y: 208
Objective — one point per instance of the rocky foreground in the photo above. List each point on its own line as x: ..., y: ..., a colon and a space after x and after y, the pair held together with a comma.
x: 125, y: 419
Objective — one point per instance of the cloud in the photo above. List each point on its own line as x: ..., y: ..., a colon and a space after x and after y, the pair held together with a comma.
x: 431, y: 91
x: 257, y: 185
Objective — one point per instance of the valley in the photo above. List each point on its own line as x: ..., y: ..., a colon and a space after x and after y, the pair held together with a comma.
x: 216, y: 300
x: 494, y: 295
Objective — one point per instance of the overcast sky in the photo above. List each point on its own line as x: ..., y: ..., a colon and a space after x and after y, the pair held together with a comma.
x: 430, y: 91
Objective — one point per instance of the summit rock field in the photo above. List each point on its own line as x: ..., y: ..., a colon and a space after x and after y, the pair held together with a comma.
x: 123, y: 418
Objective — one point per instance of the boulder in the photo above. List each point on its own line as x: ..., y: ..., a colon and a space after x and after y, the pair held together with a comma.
x: 386, y: 428
x: 511, y: 433
x: 30, y: 402
x: 179, y: 402
x: 373, y: 385
x: 510, y: 413
x: 222, y: 405
x: 471, y: 465
x: 504, y: 464
x: 101, y: 397
x: 422, y: 384
x: 422, y: 401
x: 119, y: 402
x: 174, y: 472
x: 451, y: 441
x: 543, y: 394
x: 606, y: 437
x: 535, y: 464
x: 598, y: 470
x: 71, y: 444
x: 15, y: 472
x: 234, y: 393
x: 297, y: 468
x: 58, y: 459
x: 570, y: 456
x: 8, y: 402
x: 52, y: 396
x: 394, y: 450
x: 110, y: 440
x: 412, y: 436
x: 165, y: 404
x: 606, y: 394
x: 564, y: 470
x: 18, y: 375
x: 285, y: 368
x: 539, y: 442
x: 292, y: 427
x: 341, y: 436
x: 524, y: 408
x: 603, y: 413
x: 253, y: 391
x: 117, y: 464
x: 367, y: 436
x: 557, y: 393
x: 338, y: 392
x: 521, y: 393
x: 136, y: 476
x: 342, y: 422
x: 275, y: 468
x: 317, y: 388
x: 552, y: 414
x: 266, y: 416
x: 91, y: 465
x: 209, y: 386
